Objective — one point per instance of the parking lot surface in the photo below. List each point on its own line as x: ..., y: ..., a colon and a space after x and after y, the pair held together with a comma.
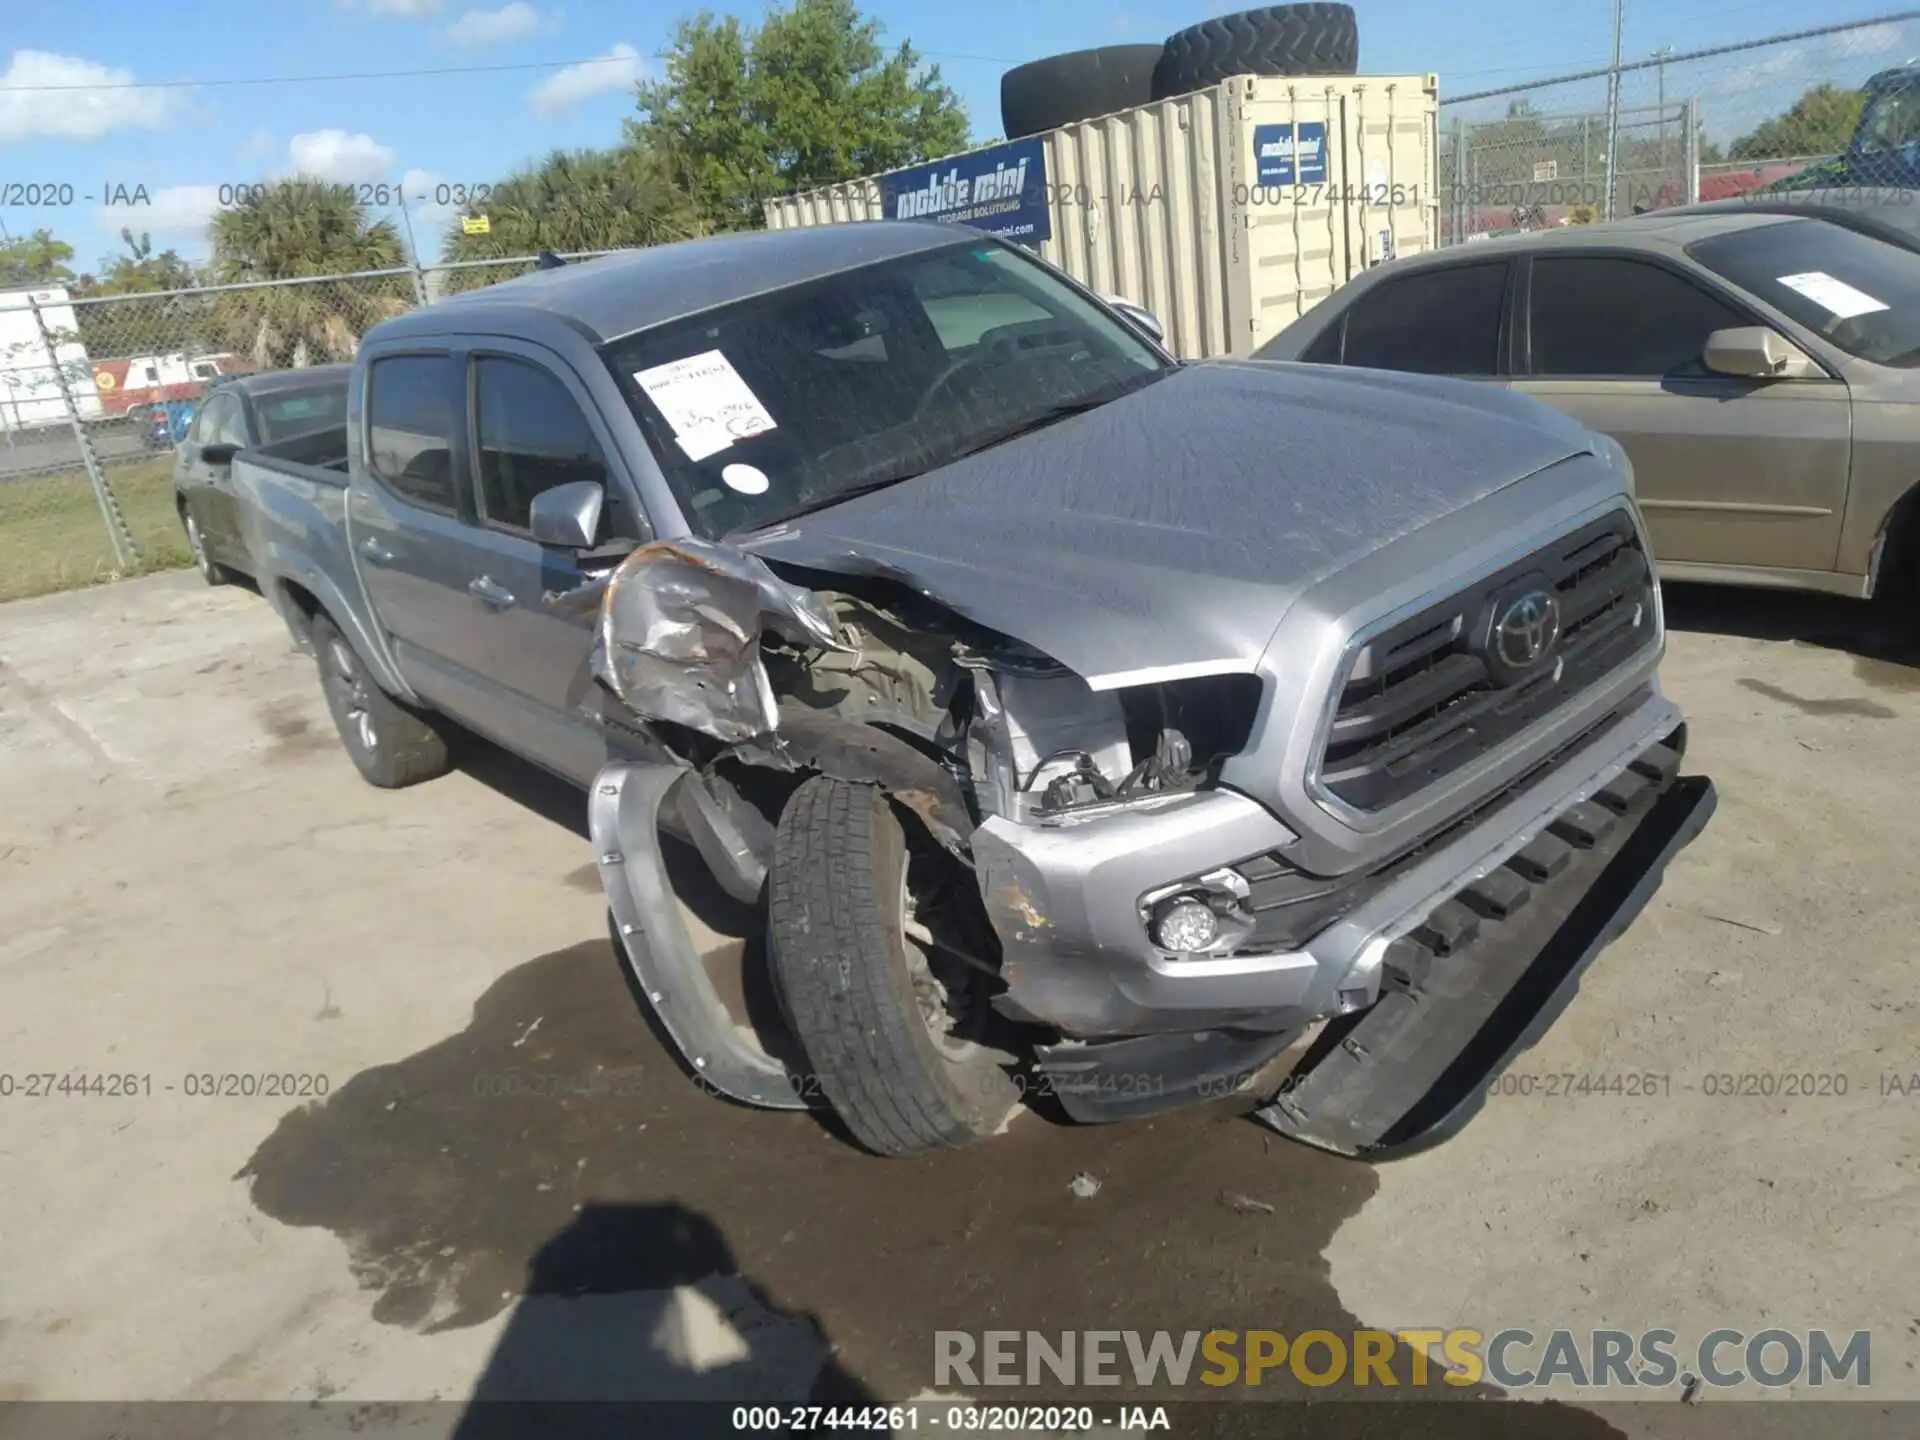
x: 390, y: 1125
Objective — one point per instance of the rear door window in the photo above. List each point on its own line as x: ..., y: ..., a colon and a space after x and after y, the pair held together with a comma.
x: 299, y: 412
x: 410, y: 427
x: 1437, y: 322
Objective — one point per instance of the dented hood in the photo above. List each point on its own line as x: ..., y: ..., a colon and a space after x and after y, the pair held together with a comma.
x: 1166, y: 533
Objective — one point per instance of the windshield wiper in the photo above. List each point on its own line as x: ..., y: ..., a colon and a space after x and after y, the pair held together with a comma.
x: 1039, y: 420
x: 821, y: 502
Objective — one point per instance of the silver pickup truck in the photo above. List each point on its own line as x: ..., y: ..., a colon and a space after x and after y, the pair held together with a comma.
x: 1089, y: 727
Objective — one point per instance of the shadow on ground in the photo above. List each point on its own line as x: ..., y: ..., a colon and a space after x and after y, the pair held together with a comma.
x: 552, y: 1158
x: 1883, y: 639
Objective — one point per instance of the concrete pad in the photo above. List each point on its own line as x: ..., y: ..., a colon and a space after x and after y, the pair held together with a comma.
x: 394, y: 1128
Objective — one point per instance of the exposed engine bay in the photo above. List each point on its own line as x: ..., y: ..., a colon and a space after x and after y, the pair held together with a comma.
x: 711, y: 641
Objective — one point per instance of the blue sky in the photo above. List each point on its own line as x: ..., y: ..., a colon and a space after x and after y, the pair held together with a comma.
x: 72, y: 112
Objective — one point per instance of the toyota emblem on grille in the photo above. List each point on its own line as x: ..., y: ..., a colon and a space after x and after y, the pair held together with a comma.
x: 1527, y: 629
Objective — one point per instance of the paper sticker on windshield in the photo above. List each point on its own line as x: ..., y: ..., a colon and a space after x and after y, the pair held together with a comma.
x: 1835, y: 295
x: 746, y: 479
x: 705, y: 401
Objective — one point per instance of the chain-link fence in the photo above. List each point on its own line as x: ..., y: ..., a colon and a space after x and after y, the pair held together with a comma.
x: 1664, y: 129
x: 97, y: 393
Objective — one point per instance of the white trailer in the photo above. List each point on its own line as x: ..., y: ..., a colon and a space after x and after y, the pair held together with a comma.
x: 1228, y: 212
x: 32, y: 370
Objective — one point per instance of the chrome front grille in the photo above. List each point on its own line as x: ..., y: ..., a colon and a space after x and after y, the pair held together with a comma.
x: 1436, y: 691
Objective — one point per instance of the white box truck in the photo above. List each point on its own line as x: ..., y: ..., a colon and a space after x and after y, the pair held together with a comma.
x: 32, y: 369
x: 1227, y: 212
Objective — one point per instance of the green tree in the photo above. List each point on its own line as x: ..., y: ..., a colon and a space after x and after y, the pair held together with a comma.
x: 293, y: 229
x: 139, y: 271
x: 1820, y: 122
x: 154, y: 318
x: 36, y: 259
x: 808, y: 98
x: 573, y: 201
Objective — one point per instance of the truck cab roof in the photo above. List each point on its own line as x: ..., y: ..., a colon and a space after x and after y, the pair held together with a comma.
x: 616, y: 295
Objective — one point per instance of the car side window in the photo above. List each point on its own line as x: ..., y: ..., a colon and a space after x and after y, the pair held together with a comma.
x: 1602, y: 315
x: 229, y: 422
x: 1437, y: 322
x: 532, y: 437
x: 1325, y: 350
x: 200, y: 432
x: 410, y: 420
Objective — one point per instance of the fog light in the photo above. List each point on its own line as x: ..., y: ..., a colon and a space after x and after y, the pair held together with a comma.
x: 1184, y: 924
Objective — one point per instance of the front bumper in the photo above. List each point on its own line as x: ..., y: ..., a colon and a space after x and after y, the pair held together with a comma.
x: 1415, y: 1068
x: 1065, y: 900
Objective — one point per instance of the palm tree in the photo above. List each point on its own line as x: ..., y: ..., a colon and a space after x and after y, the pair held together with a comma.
x: 574, y: 201
x: 293, y: 229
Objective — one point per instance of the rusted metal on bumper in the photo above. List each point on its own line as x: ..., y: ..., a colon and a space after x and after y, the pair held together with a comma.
x: 623, y: 814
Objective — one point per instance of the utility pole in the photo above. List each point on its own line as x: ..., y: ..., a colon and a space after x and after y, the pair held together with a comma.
x: 1661, y: 71
x: 1613, y: 105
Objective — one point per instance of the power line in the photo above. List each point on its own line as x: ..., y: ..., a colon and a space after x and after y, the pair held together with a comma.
x: 399, y: 74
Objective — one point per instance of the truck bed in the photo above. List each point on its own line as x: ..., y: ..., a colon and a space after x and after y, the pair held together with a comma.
x: 291, y: 497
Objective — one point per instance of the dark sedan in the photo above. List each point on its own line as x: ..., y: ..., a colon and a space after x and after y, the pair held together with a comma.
x: 244, y: 411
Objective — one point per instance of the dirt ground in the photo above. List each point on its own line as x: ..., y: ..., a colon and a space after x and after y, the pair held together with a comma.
x: 197, y: 894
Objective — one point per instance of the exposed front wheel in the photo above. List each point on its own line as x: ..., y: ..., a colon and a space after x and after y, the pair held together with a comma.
x: 864, y: 935
x: 390, y: 745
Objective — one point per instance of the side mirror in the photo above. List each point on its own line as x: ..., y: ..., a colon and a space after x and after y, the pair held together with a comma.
x: 1756, y: 352
x: 1139, y: 316
x: 568, y: 516
x: 219, y: 454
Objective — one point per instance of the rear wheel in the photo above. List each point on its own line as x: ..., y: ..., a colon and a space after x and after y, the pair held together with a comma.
x: 211, y: 570
x: 863, y: 929
x: 390, y: 745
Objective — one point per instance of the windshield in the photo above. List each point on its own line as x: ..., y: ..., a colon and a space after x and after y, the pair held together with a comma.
x: 1855, y: 292
x: 788, y: 401
x: 1890, y: 123
x: 284, y: 413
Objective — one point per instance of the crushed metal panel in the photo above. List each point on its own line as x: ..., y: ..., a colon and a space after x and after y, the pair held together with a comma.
x: 679, y: 632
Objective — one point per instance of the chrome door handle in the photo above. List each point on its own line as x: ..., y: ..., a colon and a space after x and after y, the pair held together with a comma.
x: 489, y: 592
x: 373, y: 550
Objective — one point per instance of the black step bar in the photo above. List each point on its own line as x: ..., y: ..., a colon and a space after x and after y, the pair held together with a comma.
x: 1487, y: 974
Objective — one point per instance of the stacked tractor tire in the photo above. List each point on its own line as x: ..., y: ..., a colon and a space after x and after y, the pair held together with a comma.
x: 1274, y: 40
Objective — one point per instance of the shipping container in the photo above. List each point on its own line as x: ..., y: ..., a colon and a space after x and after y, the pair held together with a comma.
x: 1228, y: 213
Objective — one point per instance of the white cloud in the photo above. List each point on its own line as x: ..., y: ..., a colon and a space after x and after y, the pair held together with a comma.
x: 335, y: 155
x: 84, y: 106
x: 1871, y: 39
x: 619, y: 69
x: 422, y: 189
x: 258, y: 146
x: 477, y: 28
x: 176, y: 212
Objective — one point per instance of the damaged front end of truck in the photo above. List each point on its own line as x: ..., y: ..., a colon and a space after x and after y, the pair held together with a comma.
x: 1156, y: 878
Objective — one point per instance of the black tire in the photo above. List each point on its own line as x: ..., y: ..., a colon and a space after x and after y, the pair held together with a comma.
x: 1275, y: 40
x: 840, y: 962
x: 390, y: 745
x: 1045, y: 94
x: 211, y: 570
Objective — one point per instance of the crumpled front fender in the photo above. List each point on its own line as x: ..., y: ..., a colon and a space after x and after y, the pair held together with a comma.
x: 624, y: 810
